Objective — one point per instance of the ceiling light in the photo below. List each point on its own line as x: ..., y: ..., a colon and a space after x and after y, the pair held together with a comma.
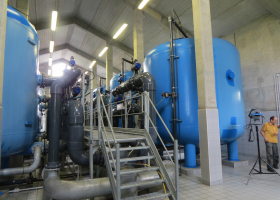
x: 79, y: 79
x: 103, y: 51
x: 142, y: 4
x: 51, y: 46
x: 50, y: 61
x: 93, y: 62
x: 54, y: 19
x: 49, y: 72
x: 120, y: 31
x: 86, y: 72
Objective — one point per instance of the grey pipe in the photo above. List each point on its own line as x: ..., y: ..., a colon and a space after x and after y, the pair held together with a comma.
x: 143, y: 82
x: 72, y: 190
x: 24, y: 170
x: 55, y: 118
x: 75, y: 143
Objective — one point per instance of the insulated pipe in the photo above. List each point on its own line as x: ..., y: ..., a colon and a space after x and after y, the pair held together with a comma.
x: 24, y: 170
x: 55, y: 105
x: 72, y: 190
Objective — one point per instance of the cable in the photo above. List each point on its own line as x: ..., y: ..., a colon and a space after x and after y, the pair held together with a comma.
x: 251, y: 137
x: 160, y: 101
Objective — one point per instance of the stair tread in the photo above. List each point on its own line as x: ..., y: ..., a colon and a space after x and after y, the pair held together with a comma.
x: 137, y: 170
x: 134, y: 158
x: 149, y: 196
x: 120, y: 140
x: 136, y: 184
x: 130, y: 148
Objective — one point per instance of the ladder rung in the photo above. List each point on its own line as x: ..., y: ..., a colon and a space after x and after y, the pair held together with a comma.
x: 130, y: 148
x: 134, y: 158
x: 137, y: 170
x: 142, y: 183
x: 149, y: 196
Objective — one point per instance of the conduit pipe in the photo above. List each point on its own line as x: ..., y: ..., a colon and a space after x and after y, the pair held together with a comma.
x: 75, y: 143
x: 24, y: 170
x: 55, y: 121
x: 70, y: 190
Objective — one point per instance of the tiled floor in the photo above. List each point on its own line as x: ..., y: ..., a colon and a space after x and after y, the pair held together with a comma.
x: 234, y: 187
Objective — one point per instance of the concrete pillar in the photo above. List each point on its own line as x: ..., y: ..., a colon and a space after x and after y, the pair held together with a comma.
x: 209, y: 133
x: 138, y: 39
x: 3, y: 20
x: 109, y: 66
x: 23, y: 7
x: 94, y: 81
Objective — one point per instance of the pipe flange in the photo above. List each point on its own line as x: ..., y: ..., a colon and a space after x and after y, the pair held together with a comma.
x: 38, y: 144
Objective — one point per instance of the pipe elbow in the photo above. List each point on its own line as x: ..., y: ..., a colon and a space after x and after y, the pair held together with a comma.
x: 24, y: 170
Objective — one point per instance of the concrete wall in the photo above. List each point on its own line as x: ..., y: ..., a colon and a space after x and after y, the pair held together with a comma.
x: 259, y: 47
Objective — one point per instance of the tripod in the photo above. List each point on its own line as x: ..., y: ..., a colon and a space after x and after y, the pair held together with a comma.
x: 259, y: 159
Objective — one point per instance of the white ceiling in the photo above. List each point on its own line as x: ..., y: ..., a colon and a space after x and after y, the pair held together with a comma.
x: 108, y: 15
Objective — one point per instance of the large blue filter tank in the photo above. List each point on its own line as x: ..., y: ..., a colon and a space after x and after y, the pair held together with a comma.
x: 20, y: 121
x: 229, y: 94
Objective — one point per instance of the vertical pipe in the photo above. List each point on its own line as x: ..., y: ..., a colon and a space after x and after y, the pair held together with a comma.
x: 176, y: 168
x: 3, y: 20
x: 173, y: 80
x: 91, y: 135
x: 122, y: 70
x: 83, y: 93
x: 118, y: 175
x: 99, y: 113
x: 55, y: 107
x: 125, y: 112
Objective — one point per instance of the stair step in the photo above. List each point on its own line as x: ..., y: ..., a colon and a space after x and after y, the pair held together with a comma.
x: 130, y: 148
x: 150, y: 196
x: 142, y: 183
x: 124, y: 140
x: 134, y: 158
x: 137, y: 170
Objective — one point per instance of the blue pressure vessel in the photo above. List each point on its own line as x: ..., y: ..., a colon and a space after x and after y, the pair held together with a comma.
x: 229, y: 93
x: 20, y: 119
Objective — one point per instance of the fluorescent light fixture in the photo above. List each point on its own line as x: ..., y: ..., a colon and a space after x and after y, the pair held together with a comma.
x: 51, y: 46
x: 142, y: 4
x: 50, y: 61
x: 54, y: 19
x: 79, y: 79
x: 86, y: 72
x: 93, y: 62
x: 49, y: 72
x: 120, y: 31
x: 103, y: 51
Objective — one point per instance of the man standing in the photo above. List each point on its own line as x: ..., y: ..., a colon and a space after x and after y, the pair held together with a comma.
x: 269, y: 132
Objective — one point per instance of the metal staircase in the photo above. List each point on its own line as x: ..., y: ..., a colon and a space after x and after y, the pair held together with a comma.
x: 111, y: 140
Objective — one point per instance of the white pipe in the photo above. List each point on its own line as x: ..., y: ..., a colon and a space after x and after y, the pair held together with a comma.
x: 24, y: 170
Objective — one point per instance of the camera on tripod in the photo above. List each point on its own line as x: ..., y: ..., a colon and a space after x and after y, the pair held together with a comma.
x: 256, y: 117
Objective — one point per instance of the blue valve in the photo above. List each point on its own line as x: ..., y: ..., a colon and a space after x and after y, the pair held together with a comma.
x: 137, y: 66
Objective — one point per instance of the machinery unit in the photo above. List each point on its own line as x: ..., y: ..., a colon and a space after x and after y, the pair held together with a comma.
x: 229, y: 93
x: 20, y: 118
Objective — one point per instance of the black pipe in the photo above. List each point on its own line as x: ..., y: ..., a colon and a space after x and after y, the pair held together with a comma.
x: 75, y: 143
x: 55, y: 105
x: 173, y: 95
x: 180, y: 29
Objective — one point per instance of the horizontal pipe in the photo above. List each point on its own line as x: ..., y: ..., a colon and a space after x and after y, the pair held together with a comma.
x: 58, y: 189
x: 24, y: 170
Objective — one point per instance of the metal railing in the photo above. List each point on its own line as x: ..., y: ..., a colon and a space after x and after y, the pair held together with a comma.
x: 97, y: 113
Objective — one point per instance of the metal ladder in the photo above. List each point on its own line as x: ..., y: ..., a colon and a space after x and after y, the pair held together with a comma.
x: 110, y: 140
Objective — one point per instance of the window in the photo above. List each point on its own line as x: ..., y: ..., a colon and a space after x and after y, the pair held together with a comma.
x: 57, y: 69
